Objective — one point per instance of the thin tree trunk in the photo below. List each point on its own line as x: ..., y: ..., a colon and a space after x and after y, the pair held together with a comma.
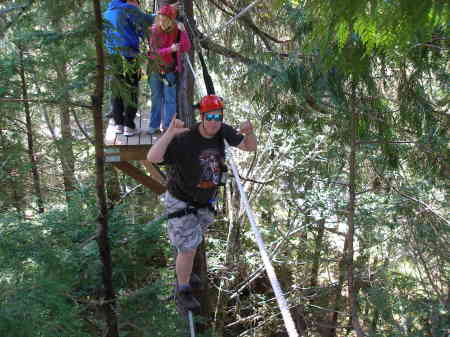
x: 351, y: 226
x: 102, y: 229
x: 64, y: 145
x: 314, y: 277
x: 66, y: 148
x: 232, y: 249
x: 17, y: 194
x: 185, y: 91
x: 30, y: 140
x: 333, y: 323
x: 201, y: 268
x: 374, y: 322
x: 316, y: 258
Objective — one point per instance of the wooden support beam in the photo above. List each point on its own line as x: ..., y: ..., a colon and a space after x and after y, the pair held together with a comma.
x: 154, y: 171
x: 115, y: 154
x: 141, y: 177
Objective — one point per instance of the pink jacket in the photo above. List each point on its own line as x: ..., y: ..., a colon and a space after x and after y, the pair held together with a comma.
x: 160, y: 43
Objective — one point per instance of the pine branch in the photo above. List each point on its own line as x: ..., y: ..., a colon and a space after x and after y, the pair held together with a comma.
x: 7, y: 10
x: 44, y: 101
x: 255, y: 181
x: 247, y: 21
x: 15, y: 20
x: 83, y: 131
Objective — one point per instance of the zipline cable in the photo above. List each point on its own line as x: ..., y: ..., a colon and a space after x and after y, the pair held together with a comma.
x: 188, y: 61
x: 191, y: 324
x: 282, y: 303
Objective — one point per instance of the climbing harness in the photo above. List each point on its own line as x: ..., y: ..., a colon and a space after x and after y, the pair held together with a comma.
x: 282, y: 303
x: 189, y: 209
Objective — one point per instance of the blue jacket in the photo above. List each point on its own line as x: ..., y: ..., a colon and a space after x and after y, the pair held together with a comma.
x: 125, y: 25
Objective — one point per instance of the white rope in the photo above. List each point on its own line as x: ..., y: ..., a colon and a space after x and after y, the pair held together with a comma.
x: 188, y: 61
x: 234, y: 18
x: 282, y: 304
x: 191, y: 324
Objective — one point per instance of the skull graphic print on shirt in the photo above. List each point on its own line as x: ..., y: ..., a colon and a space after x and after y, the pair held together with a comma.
x: 210, y: 168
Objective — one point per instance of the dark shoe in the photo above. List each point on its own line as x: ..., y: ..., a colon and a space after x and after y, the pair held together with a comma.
x: 186, y: 299
x: 195, y: 281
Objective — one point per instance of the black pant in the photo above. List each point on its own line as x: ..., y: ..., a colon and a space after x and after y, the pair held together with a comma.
x: 125, y: 87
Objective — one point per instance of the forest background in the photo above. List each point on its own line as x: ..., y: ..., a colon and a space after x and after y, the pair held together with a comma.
x: 349, y: 184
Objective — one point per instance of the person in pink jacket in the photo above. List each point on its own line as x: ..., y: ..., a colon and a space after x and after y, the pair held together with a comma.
x: 168, y: 40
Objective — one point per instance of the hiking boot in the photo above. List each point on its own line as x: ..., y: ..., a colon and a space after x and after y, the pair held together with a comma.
x: 118, y: 129
x: 195, y: 281
x: 129, y: 132
x: 185, y: 297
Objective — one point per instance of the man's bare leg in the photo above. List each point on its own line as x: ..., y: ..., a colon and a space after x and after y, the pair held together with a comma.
x: 184, y: 264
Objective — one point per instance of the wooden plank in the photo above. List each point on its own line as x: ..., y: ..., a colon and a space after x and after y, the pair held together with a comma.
x: 141, y: 177
x: 154, y: 172
x: 119, y: 148
x: 121, y: 140
x: 145, y: 137
x: 140, y: 120
x: 126, y: 153
x: 134, y: 140
x: 110, y: 135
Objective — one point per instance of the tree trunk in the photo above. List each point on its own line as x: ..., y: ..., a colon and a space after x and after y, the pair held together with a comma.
x: 185, y: 91
x: 233, y: 240
x: 102, y: 229
x: 65, y: 145
x: 30, y: 140
x: 331, y: 332
x: 316, y: 258
x: 201, y: 268
x: 351, y: 225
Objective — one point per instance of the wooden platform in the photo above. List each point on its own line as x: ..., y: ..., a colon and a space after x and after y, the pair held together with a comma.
x: 120, y: 150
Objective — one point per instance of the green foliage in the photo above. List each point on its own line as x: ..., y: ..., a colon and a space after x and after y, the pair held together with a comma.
x: 321, y: 71
x: 50, y: 273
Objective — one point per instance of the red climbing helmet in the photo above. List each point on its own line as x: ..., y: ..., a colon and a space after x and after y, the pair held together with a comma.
x: 168, y: 11
x: 210, y: 103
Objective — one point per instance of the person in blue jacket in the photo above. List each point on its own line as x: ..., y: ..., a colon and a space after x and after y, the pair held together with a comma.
x: 125, y: 24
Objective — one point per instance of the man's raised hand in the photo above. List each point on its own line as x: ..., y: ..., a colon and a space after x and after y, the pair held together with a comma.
x: 246, y: 127
x: 176, y: 126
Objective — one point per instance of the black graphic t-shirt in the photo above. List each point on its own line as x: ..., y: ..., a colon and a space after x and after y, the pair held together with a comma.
x: 196, y: 163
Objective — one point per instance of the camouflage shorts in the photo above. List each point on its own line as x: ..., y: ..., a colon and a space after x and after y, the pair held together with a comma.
x: 186, y: 232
